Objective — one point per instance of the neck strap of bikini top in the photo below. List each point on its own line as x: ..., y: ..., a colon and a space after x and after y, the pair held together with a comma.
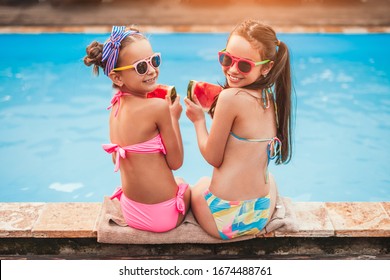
x: 117, y: 99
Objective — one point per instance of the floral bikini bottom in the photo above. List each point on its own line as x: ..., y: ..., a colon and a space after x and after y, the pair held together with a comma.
x: 238, y: 218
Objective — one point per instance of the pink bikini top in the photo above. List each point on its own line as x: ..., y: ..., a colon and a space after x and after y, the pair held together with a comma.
x: 154, y: 145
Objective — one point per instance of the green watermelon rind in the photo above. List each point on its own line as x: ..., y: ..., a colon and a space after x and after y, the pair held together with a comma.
x: 173, y: 93
x: 190, y: 89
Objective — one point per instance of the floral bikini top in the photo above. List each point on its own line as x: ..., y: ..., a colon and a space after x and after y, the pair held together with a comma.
x: 154, y: 145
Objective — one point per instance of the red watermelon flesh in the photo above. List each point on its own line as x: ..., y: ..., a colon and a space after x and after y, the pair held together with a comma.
x: 162, y: 90
x: 205, y: 92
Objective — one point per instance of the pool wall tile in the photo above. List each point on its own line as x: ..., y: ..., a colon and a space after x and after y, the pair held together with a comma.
x: 312, y: 219
x: 67, y: 220
x: 363, y: 219
x: 18, y: 219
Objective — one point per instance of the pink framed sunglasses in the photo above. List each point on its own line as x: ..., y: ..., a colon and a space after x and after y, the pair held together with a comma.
x: 243, y: 65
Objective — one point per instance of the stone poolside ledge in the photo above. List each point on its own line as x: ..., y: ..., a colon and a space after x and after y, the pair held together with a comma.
x: 68, y: 230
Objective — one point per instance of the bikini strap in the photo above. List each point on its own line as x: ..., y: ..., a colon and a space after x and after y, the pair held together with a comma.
x: 154, y: 145
x: 274, y: 149
x: 180, y: 204
x: 250, y: 139
x: 117, y: 193
x: 120, y: 152
x: 117, y: 99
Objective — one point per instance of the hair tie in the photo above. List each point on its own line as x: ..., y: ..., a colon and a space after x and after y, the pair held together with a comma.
x: 112, y: 45
x: 278, y: 43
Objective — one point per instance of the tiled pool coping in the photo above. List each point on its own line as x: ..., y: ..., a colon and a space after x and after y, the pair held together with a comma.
x: 339, y: 226
x: 78, y: 220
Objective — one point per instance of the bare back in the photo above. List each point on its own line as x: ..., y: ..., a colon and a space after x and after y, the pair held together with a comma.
x: 242, y: 174
x: 145, y: 178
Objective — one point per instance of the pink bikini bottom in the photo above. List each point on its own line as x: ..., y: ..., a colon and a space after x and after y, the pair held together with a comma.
x: 159, y: 217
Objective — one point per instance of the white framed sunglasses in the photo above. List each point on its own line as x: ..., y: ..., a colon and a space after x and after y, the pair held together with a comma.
x: 142, y: 66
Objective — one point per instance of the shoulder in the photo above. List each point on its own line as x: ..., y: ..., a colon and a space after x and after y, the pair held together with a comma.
x: 158, y: 106
x: 158, y: 103
x: 241, y: 95
x: 228, y: 95
x: 230, y: 91
x: 227, y: 102
x: 233, y: 96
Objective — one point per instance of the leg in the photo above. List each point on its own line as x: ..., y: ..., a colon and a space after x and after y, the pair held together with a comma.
x: 200, y: 209
x: 273, y: 191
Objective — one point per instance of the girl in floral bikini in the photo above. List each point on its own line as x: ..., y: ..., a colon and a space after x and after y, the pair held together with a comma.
x: 251, y: 125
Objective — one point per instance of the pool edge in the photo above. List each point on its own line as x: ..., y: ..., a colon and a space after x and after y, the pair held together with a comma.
x: 323, y: 227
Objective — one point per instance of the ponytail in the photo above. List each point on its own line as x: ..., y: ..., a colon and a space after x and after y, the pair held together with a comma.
x: 283, y: 93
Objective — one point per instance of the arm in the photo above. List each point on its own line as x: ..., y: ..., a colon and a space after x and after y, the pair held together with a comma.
x: 175, y: 109
x: 168, y: 124
x: 212, y: 146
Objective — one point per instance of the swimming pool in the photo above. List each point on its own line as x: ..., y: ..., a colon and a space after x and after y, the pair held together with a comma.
x: 53, y: 116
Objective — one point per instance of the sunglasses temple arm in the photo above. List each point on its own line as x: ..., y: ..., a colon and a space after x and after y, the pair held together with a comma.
x: 123, y: 68
x: 262, y: 62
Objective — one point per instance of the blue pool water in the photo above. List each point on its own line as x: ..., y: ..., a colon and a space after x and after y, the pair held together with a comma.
x: 53, y: 116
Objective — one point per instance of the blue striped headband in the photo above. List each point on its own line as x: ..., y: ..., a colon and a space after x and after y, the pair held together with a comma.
x: 111, y: 47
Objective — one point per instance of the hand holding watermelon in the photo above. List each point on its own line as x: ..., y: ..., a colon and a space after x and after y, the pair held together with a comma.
x: 205, y: 93
x: 194, y: 110
x: 174, y: 107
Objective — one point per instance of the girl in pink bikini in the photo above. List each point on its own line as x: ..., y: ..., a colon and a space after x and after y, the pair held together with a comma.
x: 146, y: 143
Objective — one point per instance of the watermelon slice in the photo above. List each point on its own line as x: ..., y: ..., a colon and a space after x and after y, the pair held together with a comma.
x: 205, y: 92
x: 162, y: 90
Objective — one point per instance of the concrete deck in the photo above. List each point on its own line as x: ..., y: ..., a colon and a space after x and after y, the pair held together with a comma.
x: 78, y: 220
x: 327, y: 230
